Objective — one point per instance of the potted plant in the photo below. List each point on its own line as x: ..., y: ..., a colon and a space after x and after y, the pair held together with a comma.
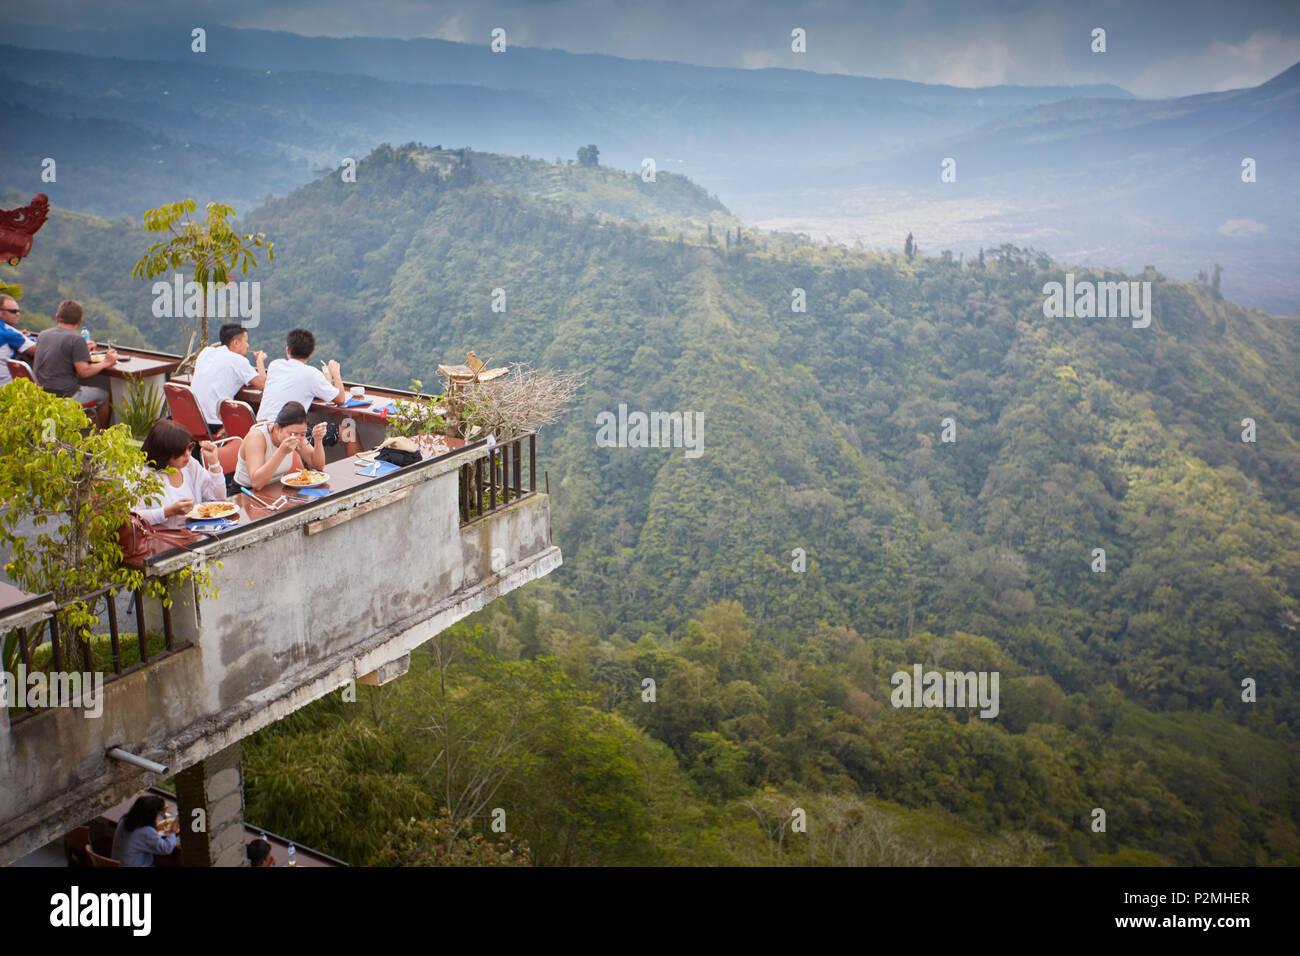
x: 141, y: 407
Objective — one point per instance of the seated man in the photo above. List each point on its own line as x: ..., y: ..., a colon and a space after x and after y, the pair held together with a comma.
x: 13, y: 343
x: 63, y: 360
x: 222, y: 370
x: 291, y: 379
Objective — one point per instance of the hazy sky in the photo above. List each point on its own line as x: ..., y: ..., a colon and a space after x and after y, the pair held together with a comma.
x: 1156, y: 48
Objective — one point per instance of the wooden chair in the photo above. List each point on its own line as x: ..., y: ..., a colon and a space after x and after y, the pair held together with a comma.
x: 185, y: 409
x: 75, y: 845
x: 236, y: 416
x: 94, y: 859
x: 101, y: 836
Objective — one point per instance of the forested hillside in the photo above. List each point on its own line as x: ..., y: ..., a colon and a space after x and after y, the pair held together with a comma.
x: 1121, y: 689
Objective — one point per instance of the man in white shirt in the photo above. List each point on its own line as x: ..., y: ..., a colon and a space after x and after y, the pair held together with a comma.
x: 291, y: 379
x: 222, y: 370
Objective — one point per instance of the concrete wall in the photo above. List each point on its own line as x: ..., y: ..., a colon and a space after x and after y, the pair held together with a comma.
x: 297, y: 615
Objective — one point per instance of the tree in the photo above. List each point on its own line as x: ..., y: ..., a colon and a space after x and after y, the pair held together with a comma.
x: 441, y: 842
x: 1214, y: 282
x: 63, y: 497
x: 521, y: 401
x: 909, y: 248
x: 588, y: 155
x: 211, y: 249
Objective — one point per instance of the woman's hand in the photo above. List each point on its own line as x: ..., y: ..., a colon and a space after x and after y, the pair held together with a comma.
x: 179, y: 507
x: 318, y: 432
x: 210, y: 456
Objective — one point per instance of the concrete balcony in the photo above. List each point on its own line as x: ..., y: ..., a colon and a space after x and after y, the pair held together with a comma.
x: 308, y: 601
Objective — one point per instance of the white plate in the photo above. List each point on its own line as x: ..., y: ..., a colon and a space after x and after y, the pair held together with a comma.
x: 295, y: 486
x: 231, y: 511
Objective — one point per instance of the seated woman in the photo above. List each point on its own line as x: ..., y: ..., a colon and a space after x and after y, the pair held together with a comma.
x: 168, y: 447
x: 137, y: 840
x: 267, y: 452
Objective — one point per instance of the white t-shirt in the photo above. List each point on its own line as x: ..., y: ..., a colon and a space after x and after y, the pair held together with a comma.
x: 219, y: 373
x: 197, y: 483
x: 288, y: 380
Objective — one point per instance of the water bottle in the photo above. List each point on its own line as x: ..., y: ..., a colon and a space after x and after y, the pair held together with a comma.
x: 85, y: 335
x: 262, y: 834
x: 293, y: 855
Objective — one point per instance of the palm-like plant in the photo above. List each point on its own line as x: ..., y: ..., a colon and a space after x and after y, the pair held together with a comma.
x: 209, y: 248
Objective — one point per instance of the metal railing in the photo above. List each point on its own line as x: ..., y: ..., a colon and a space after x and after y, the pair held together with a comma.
x: 70, y: 651
x: 492, y: 482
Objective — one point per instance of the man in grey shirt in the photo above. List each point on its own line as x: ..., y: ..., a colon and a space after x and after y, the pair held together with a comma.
x: 63, y: 360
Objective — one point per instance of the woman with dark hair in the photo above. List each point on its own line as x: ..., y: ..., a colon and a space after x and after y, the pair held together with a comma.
x: 267, y: 452
x: 186, y: 483
x: 137, y: 840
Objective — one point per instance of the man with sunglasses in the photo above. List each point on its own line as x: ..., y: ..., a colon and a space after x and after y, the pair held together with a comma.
x: 13, y: 343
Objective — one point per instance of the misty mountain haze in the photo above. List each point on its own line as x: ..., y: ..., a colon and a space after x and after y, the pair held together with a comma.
x: 1087, y: 173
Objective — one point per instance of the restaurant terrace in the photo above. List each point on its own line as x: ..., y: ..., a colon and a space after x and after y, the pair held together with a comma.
x: 312, y: 594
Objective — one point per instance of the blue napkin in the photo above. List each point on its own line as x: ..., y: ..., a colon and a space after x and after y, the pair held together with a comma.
x: 385, y: 468
x: 312, y: 492
x: 212, y: 524
x: 385, y: 409
x: 355, y: 403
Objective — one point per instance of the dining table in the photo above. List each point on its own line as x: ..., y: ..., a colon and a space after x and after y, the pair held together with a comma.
x: 151, y: 368
x: 371, y: 410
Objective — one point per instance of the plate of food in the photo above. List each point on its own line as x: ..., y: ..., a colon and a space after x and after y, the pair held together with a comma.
x: 213, y: 509
x: 304, y: 479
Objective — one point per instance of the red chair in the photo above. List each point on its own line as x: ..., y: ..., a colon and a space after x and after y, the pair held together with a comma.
x: 236, y: 416
x: 228, y: 452
x: 185, y: 409
x: 19, y: 369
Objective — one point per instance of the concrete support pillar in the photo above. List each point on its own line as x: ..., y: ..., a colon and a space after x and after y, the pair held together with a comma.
x: 215, y: 786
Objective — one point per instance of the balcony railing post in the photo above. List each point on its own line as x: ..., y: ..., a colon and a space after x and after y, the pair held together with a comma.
x: 492, y: 478
x: 55, y: 644
x: 114, y: 639
x: 463, y: 491
x: 532, y: 462
x: 478, y: 487
x: 518, y: 460
x: 505, y: 473
x: 140, y: 628
x: 167, y: 627
x: 24, y: 649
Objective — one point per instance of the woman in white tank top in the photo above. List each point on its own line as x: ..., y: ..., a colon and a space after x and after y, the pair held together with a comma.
x: 268, y: 448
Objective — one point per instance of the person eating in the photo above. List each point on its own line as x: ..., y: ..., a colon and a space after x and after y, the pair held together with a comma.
x: 186, y: 483
x: 138, y: 839
x: 267, y: 452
